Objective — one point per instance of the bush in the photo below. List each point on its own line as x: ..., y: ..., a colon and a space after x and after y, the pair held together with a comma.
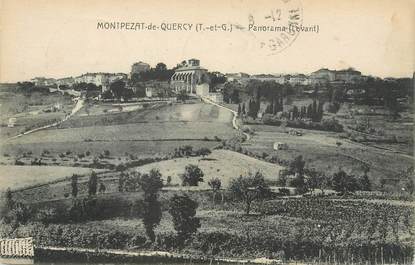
x: 324, y: 125
x: 192, y: 176
x: 18, y: 163
x: 183, y: 211
x: 284, y: 191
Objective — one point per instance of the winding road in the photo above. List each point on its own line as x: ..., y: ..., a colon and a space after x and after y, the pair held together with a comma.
x: 235, y: 115
x: 79, y: 104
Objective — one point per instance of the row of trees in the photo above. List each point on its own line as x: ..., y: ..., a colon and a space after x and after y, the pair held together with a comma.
x: 313, y: 111
x: 306, y: 179
x: 160, y: 73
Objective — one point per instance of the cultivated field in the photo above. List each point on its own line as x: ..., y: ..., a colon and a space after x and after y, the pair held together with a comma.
x: 223, y: 164
x: 301, y: 228
x: 143, y: 132
x: 380, y: 129
x: 16, y: 177
x: 30, y: 111
x: 327, y: 152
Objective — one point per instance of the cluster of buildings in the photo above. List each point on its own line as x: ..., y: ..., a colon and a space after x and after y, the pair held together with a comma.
x: 194, y: 79
x: 319, y: 77
x: 102, y: 80
x: 98, y: 79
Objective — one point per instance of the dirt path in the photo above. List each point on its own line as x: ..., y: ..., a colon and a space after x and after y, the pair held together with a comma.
x: 235, y: 115
x: 79, y: 104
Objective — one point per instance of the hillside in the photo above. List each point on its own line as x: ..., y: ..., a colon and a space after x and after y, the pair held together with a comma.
x: 223, y: 164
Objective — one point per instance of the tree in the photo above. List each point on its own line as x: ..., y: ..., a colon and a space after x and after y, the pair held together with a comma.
x: 161, y: 67
x: 215, y: 185
x: 410, y: 185
x: 121, y: 182
x: 295, y: 112
x: 118, y: 89
x: 107, y: 94
x: 92, y: 184
x: 183, y: 211
x: 239, y: 109
x: 192, y: 176
x: 102, y: 187
x: 182, y: 96
x: 320, y: 111
x: 249, y: 188
x: 128, y: 94
x: 310, y: 111
x: 313, y: 179
x: 151, y: 184
x: 132, y: 181
x: 168, y: 180
x: 203, y: 151
x: 314, y: 115
x: 297, y: 165
x: 297, y: 169
x: 74, y: 185
x: 282, y: 178
x: 19, y: 214
x: 408, y: 177
x: 344, y: 183
x: 364, y: 183
x: 9, y: 199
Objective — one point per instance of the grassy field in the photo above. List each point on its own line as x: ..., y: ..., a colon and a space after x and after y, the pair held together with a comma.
x: 144, y: 132
x: 16, y: 177
x: 30, y: 111
x: 192, y: 111
x: 320, y: 151
x: 223, y: 164
x: 380, y: 126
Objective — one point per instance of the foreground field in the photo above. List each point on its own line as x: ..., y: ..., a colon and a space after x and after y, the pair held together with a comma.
x: 222, y: 164
x: 319, y: 230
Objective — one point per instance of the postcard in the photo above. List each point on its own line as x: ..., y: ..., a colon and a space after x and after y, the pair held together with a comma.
x: 190, y: 132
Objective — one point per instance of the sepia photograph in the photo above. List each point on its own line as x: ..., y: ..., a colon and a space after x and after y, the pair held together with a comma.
x: 207, y: 132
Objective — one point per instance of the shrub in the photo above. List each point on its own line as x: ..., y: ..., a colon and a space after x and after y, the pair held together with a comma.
x: 192, y: 176
x: 183, y: 211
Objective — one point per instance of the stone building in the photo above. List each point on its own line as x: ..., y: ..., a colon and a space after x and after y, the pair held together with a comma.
x: 348, y: 76
x: 335, y: 77
x: 323, y: 75
x: 43, y: 81
x: 188, y: 76
x: 139, y: 67
x: 100, y: 79
x: 299, y: 79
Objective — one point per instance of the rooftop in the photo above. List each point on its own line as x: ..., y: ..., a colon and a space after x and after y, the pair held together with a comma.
x: 188, y: 68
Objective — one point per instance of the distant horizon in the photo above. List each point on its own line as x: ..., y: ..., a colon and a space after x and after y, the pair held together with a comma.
x: 251, y: 74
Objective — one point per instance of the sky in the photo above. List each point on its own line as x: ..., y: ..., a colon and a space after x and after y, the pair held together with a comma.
x: 60, y: 38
